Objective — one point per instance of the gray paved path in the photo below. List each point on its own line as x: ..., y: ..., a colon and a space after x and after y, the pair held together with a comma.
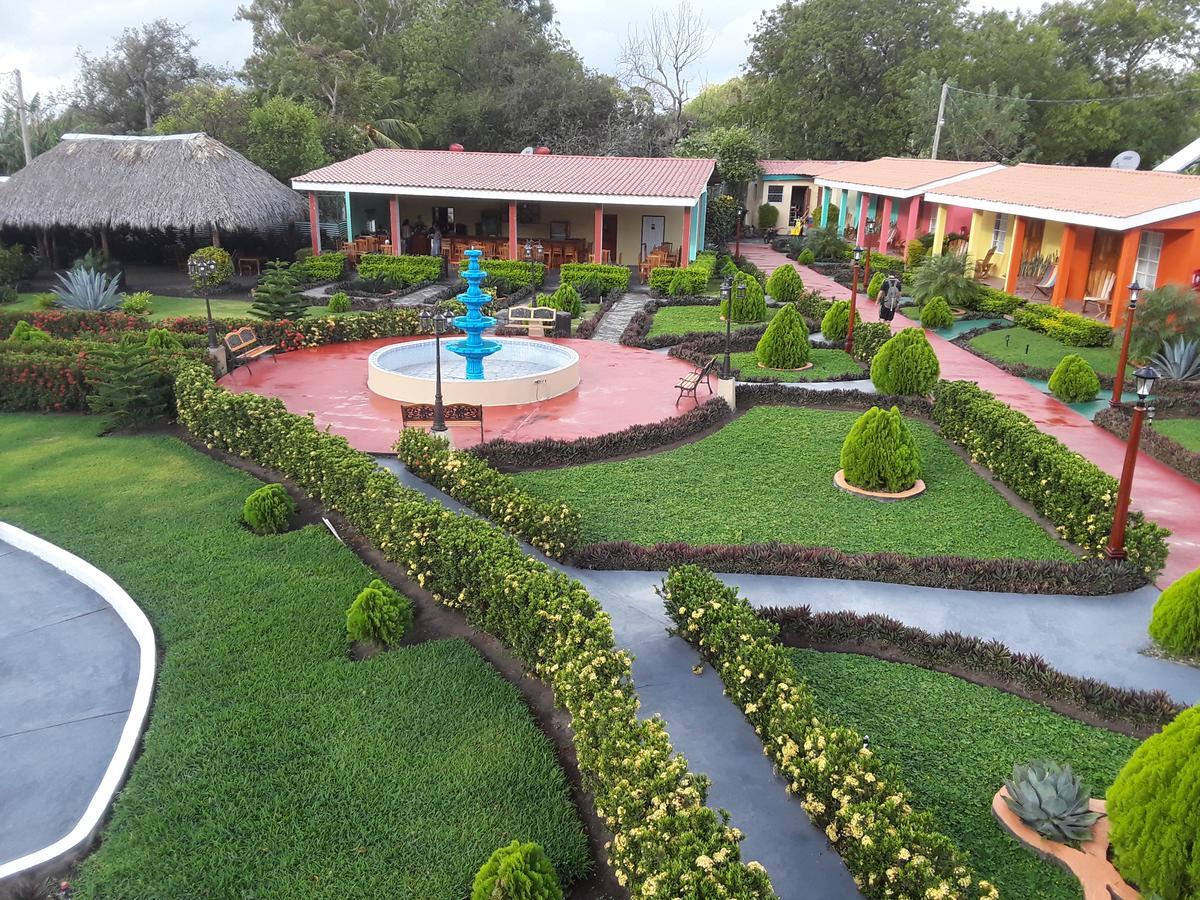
x: 68, y: 670
x: 613, y: 325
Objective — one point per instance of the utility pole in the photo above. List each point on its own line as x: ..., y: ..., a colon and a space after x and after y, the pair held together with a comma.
x: 941, y: 119
x: 23, y: 118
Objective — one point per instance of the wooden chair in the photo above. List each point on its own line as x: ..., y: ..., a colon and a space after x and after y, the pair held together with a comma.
x: 244, y: 346
x: 605, y: 256
x: 570, y: 254
x: 984, y: 266
x: 1046, y: 285
x: 688, y: 383
x: 1099, y: 292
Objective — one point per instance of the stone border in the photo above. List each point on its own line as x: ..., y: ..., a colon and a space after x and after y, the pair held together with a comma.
x: 137, y: 623
x: 803, y: 368
x: 839, y: 479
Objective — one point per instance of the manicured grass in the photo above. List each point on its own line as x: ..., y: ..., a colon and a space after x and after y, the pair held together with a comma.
x: 768, y: 476
x: 954, y: 743
x: 589, y: 310
x: 173, y: 307
x: 826, y: 364
x: 273, y: 765
x: 1185, y: 431
x: 1045, y: 352
x: 684, y: 319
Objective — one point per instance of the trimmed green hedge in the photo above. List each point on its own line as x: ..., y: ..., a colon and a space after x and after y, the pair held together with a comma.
x: 517, y: 272
x: 401, y: 270
x: 697, y: 275
x: 326, y: 267
x: 1068, y: 327
x: 1075, y: 494
x: 615, y: 279
x: 996, y: 302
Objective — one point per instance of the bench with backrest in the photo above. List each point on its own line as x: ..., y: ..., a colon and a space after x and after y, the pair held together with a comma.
x: 420, y: 415
x: 688, y: 383
x: 244, y: 346
x: 535, y: 318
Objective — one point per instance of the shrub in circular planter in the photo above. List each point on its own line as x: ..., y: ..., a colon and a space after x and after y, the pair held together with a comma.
x: 1073, y: 380
x: 879, y: 453
x: 1154, y: 812
x: 379, y: 615
x: 806, y: 257
x: 338, y: 303
x: 1175, y: 624
x: 517, y: 872
x: 268, y: 510
x: 876, y: 285
x: 750, y: 308
x: 836, y: 321
x: 905, y: 365
x: 785, y: 284
x: 784, y: 345
x: 566, y: 299
x: 936, y: 314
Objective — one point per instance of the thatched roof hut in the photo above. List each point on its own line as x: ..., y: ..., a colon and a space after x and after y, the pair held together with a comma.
x: 181, y: 181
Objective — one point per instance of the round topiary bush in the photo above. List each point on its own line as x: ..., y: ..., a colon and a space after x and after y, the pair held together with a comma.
x: 836, y: 321
x: 566, y: 299
x: 915, y: 253
x: 784, y: 345
x: 806, y: 257
x: 905, y: 365
x: 876, y: 285
x: 1175, y: 624
x: 749, y: 308
x: 785, y: 285
x: 1154, y: 812
x: 339, y: 303
x: 222, y: 268
x: 517, y: 872
x: 879, y: 453
x: 379, y: 615
x: 936, y: 314
x: 268, y: 510
x: 1073, y: 380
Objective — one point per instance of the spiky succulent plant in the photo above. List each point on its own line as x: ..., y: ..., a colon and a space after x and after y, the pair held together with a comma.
x: 1179, y: 359
x: 1051, y: 800
x: 86, y: 289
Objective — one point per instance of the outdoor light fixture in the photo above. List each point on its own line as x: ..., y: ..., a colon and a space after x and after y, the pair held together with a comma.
x: 202, y: 271
x: 727, y: 296
x: 1143, y: 380
x: 741, y: 214
x: 858, y: 252
x: 1135, y: 292
x: 438, y: 321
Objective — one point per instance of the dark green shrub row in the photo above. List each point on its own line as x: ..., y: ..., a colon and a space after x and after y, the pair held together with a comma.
x: 1075, y: 494
x: 314, y: 331
x: 996, y: 302
x: 1117, y: 419
x: 864, y: 809
x: 614, y: 279
x: 399, y: 269
x: 61, y: 323
x: 1025, y: 674
x: 551, y: 527
x: 517, y: 272
x: 326, y: 267
x: 1068, y: 327
x: 643, y: 791
x: 695, y: 276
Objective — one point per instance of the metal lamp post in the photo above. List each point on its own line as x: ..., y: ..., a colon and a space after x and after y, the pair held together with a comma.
x: 858, y: 252
x: 202, y: 271
x: 867, y: 271
x: 437, y: 321
x: 1135, y: 291
x: 727, y: 296
x: 737, y: 246
x: 1143, y: 380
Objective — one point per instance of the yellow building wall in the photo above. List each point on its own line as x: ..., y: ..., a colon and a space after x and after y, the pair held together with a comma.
x: 1052, y: 239
x: 758, y: 197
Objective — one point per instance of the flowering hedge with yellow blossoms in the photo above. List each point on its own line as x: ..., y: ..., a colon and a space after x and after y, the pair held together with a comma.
x: 666, y: 842
x: 554, y: 528
x: 890, y: 849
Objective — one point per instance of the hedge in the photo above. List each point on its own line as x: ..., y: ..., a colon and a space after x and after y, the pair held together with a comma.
x: 996, y: 302
x: 517, y: 272
x: 399, y: 269
x: 697, y: 274
x: 62, y: 323
x: 1118, y: 419
x: 1070, y: 328
x: 664, y: 835
x: 1075, y: 494
x: 889, y: 848
x: 326, y: 267
x: 615, y: 279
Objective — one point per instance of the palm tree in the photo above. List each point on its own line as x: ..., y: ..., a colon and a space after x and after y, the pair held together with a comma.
x: 394, y: 127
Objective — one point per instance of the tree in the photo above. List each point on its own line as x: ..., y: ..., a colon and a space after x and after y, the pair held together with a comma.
x: 222, y: 111
x: 983, y: 125
x: 129, y: 87
x: 735, y: 149
x: 662, y: 55
x: 721, y: 104
x: 276, y: 297
x: 285, y: 138
x: 47, y: 124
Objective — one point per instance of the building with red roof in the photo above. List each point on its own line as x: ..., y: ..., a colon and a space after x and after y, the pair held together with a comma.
x: 787, y: 184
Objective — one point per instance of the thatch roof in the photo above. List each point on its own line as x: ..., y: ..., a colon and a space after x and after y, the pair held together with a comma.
x: 172, y: 181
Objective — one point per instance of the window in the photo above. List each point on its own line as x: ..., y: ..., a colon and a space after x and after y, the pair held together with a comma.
x: 1145, y: 272
x: 1000, y: 232
x: 775, y: 193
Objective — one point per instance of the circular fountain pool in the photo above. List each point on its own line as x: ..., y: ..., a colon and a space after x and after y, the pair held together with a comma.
x: 524, y: 371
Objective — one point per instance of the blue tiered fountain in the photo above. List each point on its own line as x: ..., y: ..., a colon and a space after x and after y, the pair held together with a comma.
x: 474, y: 348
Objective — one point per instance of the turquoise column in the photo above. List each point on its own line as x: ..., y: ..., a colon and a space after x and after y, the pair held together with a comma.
x: 694, y: 231
x: 842, y: 210
x: 826, y: 200
x: 349, y: 220
x: 703, y: 213
x: 873, y: 207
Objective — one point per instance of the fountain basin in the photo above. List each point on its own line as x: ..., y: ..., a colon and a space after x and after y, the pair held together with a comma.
x: 525, y: 372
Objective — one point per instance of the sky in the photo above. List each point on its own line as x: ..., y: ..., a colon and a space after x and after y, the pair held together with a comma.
x: 41, y: 38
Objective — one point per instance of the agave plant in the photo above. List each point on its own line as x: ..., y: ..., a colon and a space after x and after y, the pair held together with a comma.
x: 1051, y: 800
x: 1178, y: 359
x: 88, y: 290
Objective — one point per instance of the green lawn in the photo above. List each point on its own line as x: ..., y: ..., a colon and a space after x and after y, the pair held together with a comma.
x: 826, y: 364
x: 1009, y: 345
x: 1185, y: 431
x: 272, y: 764
x: 173, y: 307
x: 954, y: 743
x: 589, y: 310
x: 768, y: 476
x: 684, y: 319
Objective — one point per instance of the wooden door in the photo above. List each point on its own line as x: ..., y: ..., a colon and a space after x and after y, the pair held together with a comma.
x: 608, y: 236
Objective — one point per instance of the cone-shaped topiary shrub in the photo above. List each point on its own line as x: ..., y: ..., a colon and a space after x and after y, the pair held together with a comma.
x: 936, y: 314
x: 1176, y: 620
x: 379, y: 615
x: 517, y: 872
x: 1073, y: 380
x: 905, y: 365
x: 875, y: 285
x: 338, y: 303
x: 806, y: 257
x: 785, y: 284
x: 729, y: 268
x: 750, y: 308
x: 836, y: 322
x: 1154, y: 812
x: 879, y: 453
x: 566, y: 299
x: 915, y: 253
x: 268, y: 510
x: 784, y: 345
x: 680, y: 284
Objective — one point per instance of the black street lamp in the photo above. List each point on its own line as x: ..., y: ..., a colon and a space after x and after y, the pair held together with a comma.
x: 1143, y: 380
x: 202, y: 270
x: 438, y: 321
x: 1135, y: 291
x: 741, y: 214
x: 858, y: 252
x: 532, y: 260
x: 871, y: 226
x: 727, y: 296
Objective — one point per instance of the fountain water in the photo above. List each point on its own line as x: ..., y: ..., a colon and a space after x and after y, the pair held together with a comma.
x: 474, y: 348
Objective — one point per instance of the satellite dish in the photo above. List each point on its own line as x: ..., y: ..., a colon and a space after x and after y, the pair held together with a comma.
x: 528, y: 151
x: 1126, y: 159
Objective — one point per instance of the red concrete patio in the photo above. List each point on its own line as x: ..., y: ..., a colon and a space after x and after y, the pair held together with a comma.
x: 619, y: 387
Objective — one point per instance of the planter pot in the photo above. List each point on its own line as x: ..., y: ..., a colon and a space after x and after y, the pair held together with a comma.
x: 916, y: 490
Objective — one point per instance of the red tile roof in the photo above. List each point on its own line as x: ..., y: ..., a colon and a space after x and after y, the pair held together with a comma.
x: 601, y: 176
x: 811, y: 167
x: 897, y: 174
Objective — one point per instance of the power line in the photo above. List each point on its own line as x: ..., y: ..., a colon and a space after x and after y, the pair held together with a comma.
x: 1079, y: 101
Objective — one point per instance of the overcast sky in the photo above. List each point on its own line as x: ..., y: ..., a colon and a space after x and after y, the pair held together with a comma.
x: 41, y: 38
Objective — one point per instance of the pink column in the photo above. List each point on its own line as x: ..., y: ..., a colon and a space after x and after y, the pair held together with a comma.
x: 599, y: 230
x: 685, y: 242
x: 910, y: 226
x: 314, y: 223
x: 394, y: 223
x: 863, y: 205
x: 512, y: 229
x: 885, y: 224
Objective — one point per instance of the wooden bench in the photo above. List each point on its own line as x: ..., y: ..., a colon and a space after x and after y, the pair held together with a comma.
x: 689, y: 382
x: 244, y: 346
x: 535, y: 318
x: 420, y: 415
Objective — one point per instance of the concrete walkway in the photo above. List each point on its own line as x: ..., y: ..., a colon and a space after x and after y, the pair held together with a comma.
x: 613, y: 325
